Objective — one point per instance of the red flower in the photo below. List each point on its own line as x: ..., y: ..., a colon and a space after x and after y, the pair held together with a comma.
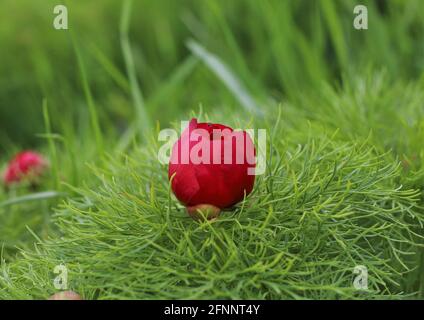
x: 65, y: 295
x: 211, y: 164
x: 27, y: 165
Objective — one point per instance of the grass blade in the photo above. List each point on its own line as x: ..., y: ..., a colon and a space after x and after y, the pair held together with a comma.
x: 226, y: 76
x: 89, y: 97
x: 52, y: 145
x: 143, y: 120
x: 32, y: 197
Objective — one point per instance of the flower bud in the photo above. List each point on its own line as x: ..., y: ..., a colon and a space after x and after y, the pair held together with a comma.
x: 209, y: 166
x: 65, y: 295
x: 25, y: 166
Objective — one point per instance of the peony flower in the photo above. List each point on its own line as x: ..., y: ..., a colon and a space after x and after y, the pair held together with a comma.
x: 65, y: 295
x: 211, y: 168
x: 25, y: 166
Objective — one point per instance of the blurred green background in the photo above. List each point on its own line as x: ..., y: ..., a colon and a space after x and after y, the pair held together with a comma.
x: 278, y: 49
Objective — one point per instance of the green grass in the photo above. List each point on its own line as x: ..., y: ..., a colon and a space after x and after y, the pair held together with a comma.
x: 320, y: 211
x: 344, y: 180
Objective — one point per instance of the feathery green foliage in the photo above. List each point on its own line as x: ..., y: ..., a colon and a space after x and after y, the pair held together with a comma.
x: 320, y: 210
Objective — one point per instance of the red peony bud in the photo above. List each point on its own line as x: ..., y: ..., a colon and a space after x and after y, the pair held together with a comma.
x: 25, y: 166
x: 65, y: 295
x: 211, y: 164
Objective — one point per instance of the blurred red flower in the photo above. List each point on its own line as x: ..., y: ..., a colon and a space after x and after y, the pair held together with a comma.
x: 25, y: 166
